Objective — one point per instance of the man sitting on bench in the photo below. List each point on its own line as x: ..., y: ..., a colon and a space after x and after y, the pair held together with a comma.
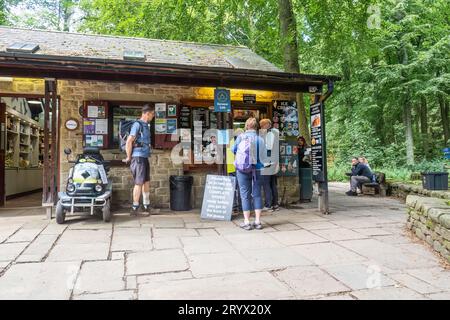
x: 360, y: 174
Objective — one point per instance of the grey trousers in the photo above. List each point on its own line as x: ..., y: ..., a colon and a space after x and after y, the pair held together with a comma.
x: 357, y: 181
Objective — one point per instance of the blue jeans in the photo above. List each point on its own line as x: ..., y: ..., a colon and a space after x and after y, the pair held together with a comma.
x: 270, y: 190
x: 250, y: 189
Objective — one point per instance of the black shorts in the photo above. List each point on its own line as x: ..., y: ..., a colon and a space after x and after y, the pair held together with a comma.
x: 140, y: 168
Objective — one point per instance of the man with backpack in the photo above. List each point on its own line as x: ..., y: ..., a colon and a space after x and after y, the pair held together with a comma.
x: 138, y: 151
x: 250, y: 153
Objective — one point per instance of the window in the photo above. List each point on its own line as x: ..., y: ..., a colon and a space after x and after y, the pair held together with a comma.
x: 122, y: 113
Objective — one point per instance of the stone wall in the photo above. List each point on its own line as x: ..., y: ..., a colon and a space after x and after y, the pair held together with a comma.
x: 429, y: 219
x: 74, y: 93
x: 402, y: 190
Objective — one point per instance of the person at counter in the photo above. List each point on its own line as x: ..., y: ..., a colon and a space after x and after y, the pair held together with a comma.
x: 271, y: 137
x: 250, y: 151
x: 360, y: 174
x: 231, y: 170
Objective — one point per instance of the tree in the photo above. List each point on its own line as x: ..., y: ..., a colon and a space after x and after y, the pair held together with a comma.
x: 289, y: 41
x: 47, y: 14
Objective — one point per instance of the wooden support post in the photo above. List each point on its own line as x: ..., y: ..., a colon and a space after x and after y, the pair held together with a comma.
x: 49, y: 184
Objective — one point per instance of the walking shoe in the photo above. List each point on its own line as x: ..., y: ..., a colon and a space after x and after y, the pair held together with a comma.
x: 257, y: 226
x: 351, y: 193
x: 276, y: 208
x: 246, y: 226
x: 134, y: 211
x: 150, y: 210
x: 266, y: 209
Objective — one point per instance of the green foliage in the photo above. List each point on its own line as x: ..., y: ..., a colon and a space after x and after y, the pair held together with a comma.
x: 392, y: 103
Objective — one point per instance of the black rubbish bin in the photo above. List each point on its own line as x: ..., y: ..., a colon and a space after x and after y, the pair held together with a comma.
x: 435, y: 180
x: 180, y: 193
x: 306, y: 188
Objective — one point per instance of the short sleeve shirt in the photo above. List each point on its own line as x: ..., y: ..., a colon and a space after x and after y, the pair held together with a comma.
x: 142, y: 138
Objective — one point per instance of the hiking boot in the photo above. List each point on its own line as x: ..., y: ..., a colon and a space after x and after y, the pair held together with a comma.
x: 257, y: 226
x: 351, y: 193
x: 246, y: 226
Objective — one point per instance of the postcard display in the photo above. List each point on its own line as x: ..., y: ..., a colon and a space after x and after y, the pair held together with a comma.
x: 285, y: 119
x: 166, y: 124
x: 95, y: 124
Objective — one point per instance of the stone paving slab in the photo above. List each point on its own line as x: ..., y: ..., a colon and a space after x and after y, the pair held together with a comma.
x: 414, y: 283
x: 435, y: 276
x: 244, y: 286
x: 33, y: 281
x: 85, y: 237
x: 118, y: 295
x: 164, y: 277
x: 273, y: 259
x: 316, y: 225
x: 24, y: 235
x: 177, y: 232
x: 359, y: 276
x: 10, y: 251
x: 388, y: 293
x: 252, y: 240
x: 291, y: 238
x: 310, y: 281
x: 337, y: 234
x: 328, y: 253
x: 92, y: 277
x: 77, y: 252
x: 205, y: 244
x: 156, y: 262
x: 131, y: 239
x: 203, y: 265
x: 166, y: 243
x: 39, y: 249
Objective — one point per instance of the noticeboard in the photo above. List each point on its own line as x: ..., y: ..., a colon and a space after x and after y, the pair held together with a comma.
x: 317, y: 159
x: 218, y: 197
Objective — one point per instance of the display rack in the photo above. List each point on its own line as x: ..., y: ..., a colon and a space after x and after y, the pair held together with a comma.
x: 23, y: 170
x: 23, y: 139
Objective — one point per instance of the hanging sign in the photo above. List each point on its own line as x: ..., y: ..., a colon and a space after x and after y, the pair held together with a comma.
x: 222, y: 100
x: 317, y: 152
x: 249, y: 98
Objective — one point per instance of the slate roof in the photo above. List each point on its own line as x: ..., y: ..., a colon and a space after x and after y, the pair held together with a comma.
x: 67, y: 44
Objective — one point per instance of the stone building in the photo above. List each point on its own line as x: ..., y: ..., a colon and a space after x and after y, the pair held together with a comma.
x: 117, y: 75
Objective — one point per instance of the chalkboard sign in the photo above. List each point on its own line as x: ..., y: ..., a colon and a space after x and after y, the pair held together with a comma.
x: 218, y: 197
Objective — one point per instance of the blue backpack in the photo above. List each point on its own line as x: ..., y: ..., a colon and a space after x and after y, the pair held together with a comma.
x: 245, y: 161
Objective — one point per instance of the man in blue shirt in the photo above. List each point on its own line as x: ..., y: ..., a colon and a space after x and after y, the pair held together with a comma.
x: 138, y: 151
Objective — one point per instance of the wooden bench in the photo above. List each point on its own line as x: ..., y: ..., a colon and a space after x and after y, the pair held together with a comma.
x: 376, y: 188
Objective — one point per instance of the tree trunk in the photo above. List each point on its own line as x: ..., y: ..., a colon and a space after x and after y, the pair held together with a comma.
x: 289, y: 41
x: 424, y: 126
x: 407, y: 119
x: 443, y: 107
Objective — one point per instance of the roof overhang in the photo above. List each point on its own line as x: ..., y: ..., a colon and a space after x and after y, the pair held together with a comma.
x: 81, y: 68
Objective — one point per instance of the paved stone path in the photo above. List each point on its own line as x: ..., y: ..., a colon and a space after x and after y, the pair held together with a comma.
x: 361, y: 251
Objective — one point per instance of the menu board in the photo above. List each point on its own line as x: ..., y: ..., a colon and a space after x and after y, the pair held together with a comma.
x: 317, y: 153
x: 289, y: 162
x: 285, y: 118
x: 218, y: 197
